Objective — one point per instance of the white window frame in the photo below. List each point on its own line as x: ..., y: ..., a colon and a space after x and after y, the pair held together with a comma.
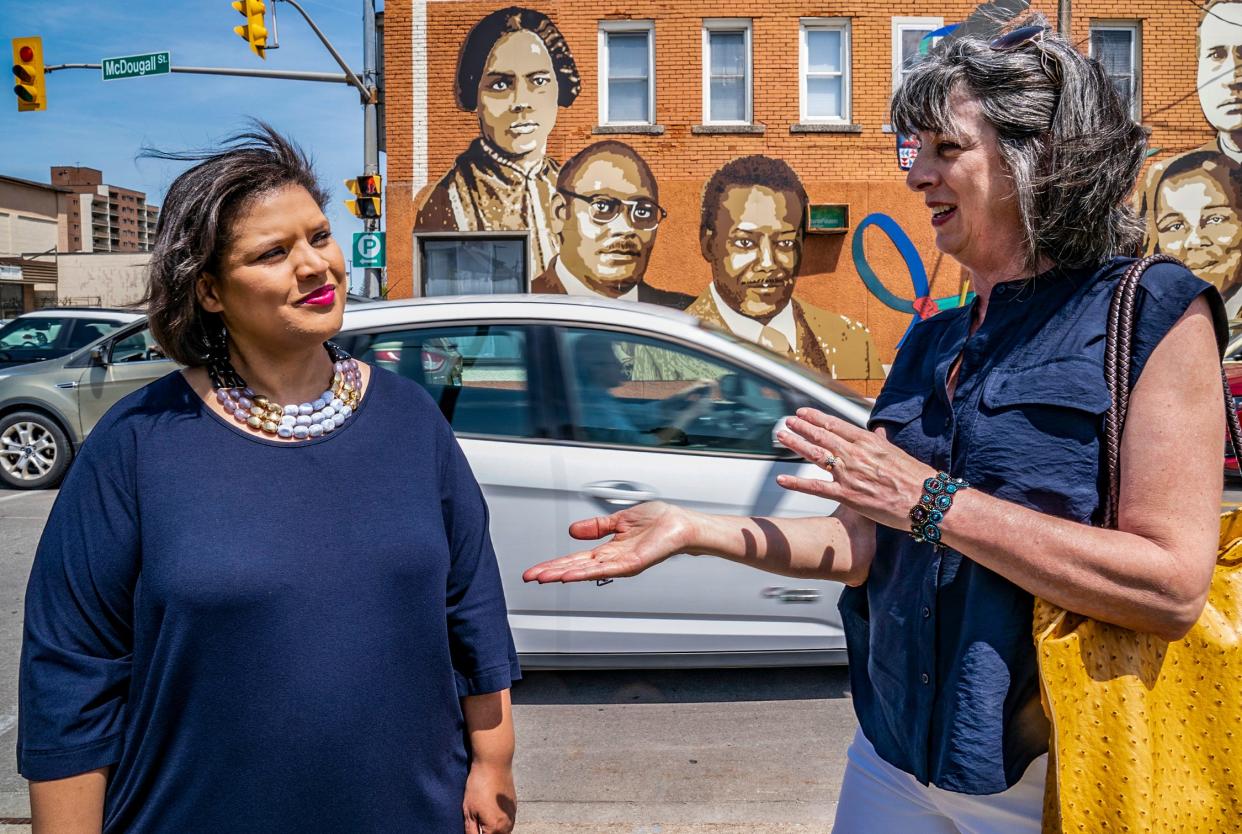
x: 1135, y: 28
x: 901, y: 25
x: 606, y: 28
x: 728, y: 24
x: 835, y: 24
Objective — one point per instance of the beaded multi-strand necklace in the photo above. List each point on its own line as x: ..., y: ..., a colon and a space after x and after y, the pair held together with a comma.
x: 324, y: 414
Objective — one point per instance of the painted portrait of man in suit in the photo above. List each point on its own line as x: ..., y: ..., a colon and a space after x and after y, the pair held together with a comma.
x: 605, y: 215
x: 514, y: 71
x: 752, y: 230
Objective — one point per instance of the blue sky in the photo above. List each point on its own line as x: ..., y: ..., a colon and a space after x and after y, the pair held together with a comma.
x: 103, y: 124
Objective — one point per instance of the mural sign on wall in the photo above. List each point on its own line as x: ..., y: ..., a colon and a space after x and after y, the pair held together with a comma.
x: 1191, y: 201
x: 592, y: 222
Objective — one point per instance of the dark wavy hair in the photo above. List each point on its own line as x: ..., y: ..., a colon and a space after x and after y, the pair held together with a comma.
x: 195, y: 227
x: 1065, y: 137
x: 482, y: 38
x: 748, y: 172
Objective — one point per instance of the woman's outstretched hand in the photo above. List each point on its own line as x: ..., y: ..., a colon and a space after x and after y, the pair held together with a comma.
x: 642, y: 536
x: 869, y: 474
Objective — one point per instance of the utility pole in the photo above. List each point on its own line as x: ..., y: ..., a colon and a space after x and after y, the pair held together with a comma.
x: 373, y: 285
x: 1065, y: 17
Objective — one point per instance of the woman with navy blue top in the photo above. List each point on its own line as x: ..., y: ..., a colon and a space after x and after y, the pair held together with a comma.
x: 266, y: 599
x: 979, y: 483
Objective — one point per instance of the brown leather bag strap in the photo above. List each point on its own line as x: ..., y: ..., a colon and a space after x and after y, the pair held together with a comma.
x: 1118, y: 359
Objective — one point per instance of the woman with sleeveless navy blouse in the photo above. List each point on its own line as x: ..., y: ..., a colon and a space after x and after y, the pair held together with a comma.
x: 266, y: 599
x: 980, y: 481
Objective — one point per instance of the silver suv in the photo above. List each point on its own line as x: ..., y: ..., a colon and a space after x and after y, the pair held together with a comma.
x: 47, y: 408
x: 57, y: 331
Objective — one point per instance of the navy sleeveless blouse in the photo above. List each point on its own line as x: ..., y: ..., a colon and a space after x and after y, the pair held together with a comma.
x: 942, y: 661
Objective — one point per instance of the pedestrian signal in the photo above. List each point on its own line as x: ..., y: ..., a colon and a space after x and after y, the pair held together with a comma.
x: 367, y: 190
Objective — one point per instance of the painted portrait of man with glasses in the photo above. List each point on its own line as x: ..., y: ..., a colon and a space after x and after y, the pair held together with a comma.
x: 605, y: 215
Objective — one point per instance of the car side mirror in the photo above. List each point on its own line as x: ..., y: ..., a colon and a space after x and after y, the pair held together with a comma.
x: 97, y: 356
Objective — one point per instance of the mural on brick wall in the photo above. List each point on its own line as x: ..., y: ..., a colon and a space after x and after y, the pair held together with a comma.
x: 1191, y: 201
x: 594, y: 221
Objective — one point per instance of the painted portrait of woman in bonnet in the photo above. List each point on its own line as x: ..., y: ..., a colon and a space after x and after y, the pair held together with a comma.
x: 514, y: 71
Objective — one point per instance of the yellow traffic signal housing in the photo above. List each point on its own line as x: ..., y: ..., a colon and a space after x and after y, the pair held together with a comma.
x: 368, y: 191
x: 28, y: 74
x: 254, y: 30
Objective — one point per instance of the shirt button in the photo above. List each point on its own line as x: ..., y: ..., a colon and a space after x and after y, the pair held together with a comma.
x: 926, y: 679
x: 948, y: 422
x: 926, y: 612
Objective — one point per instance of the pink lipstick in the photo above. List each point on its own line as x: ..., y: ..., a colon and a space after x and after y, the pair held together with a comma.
x: 323, y: 297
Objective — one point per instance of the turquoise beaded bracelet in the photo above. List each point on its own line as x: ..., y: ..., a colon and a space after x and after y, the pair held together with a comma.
x: 937, y: 498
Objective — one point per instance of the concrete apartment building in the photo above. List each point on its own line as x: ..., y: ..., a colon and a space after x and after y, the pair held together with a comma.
x: 104, y: 218
x: 691, y: 85
x: 109, y: 231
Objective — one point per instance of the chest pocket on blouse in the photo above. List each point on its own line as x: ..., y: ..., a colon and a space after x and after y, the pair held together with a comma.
x: 1036, y: 440
x: 904, y: 423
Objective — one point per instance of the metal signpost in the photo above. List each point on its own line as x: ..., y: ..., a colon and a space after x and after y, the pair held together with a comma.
x: 136, y: 66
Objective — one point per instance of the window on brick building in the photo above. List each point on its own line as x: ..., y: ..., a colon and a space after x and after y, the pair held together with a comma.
x: 824, y: 58
x: 727, y: 72
x: 1116, y: 46
x: 910, y: 39
x: 626, y: 72
x: 476, y: 264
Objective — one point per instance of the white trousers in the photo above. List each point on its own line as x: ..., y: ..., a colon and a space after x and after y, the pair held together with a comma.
x: 877, y: 798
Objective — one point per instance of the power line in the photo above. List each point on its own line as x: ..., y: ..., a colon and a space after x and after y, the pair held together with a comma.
x: 1206, y: 10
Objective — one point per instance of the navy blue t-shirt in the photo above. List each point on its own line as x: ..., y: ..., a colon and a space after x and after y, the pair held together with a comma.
x: 261, y: 636
x: 942, y: 659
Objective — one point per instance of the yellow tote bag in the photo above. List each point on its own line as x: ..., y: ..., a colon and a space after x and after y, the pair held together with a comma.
x: 1146, y: 733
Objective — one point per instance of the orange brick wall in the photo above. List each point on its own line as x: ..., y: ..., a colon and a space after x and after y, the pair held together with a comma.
x: 858, y: 169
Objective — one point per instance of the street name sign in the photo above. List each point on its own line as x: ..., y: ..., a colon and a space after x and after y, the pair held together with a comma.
x: 136, y: 66
x: 369, y: 250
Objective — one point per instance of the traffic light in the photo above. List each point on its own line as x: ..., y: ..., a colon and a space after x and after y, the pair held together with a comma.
x: 29, y: 83
x: 367, y: 190
x: 254, y: 31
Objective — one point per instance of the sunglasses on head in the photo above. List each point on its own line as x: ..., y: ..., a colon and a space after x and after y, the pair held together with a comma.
x: 644, y: 215
x: 1023, y: 35
x: 1018, y: 38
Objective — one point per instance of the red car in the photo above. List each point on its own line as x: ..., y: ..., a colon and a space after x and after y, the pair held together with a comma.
x: 1233, y: 370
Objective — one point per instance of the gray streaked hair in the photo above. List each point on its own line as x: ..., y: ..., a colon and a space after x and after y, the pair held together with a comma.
x: 1065, y: 136
x: 196, y: 226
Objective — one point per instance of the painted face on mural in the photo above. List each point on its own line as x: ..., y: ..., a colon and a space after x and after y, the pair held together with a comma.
x: 1220, y: 67
x: 1197, y: 222
x: 973, y: 202
x: 755, y: 249
x: 517, y: 95
x: 606, y: 243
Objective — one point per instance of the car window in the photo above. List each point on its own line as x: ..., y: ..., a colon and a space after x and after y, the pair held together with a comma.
x: 639, y: 391
x: 476, y: 373
x: 30, y: 333
x: 137, y: 347
x: 86, y: 331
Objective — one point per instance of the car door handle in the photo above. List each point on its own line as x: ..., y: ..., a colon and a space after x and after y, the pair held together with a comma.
x: 795, y: 595
x: 618, y: 493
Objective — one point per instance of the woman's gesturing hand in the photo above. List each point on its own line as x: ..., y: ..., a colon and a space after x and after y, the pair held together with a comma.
x: 490, y: 803
x: 642, y: 536
x: 869, y: 474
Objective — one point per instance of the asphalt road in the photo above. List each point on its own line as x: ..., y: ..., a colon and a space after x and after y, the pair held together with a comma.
x: 671, y: 752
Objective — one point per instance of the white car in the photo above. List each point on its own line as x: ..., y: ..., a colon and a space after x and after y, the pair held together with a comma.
x: 569, y: 408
